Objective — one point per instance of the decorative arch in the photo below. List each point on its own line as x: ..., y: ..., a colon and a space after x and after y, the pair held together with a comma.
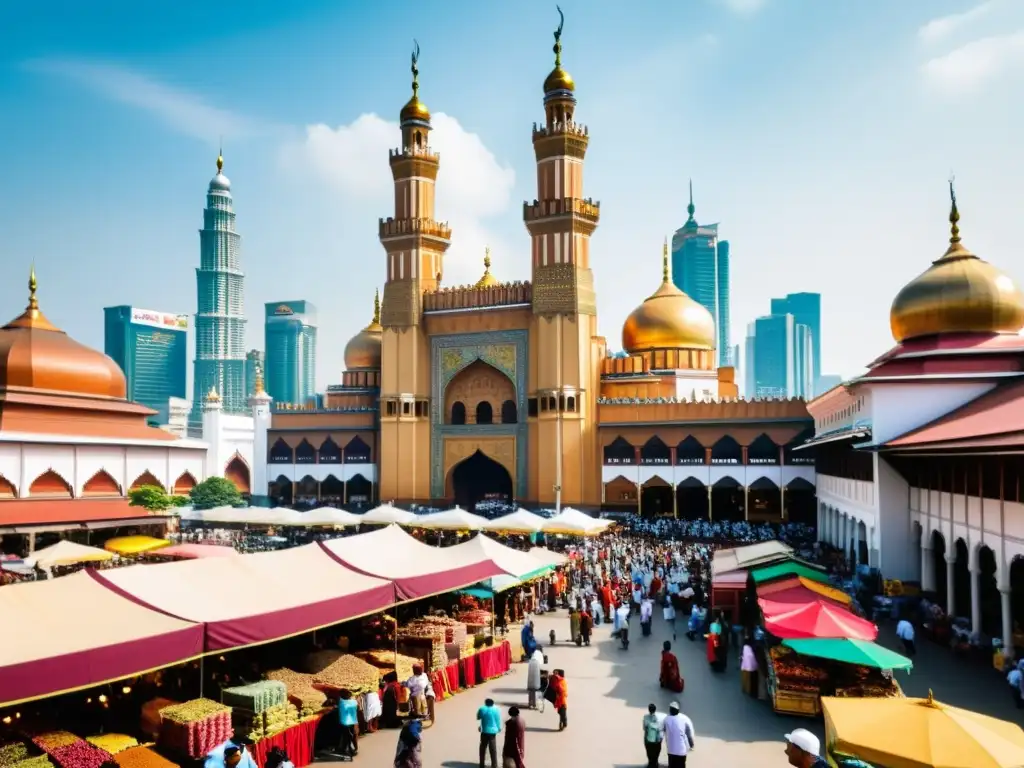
x: 620, y: 491
x: 305, y: 453
x: 690, y: 451
x: 509, y: 412
x: 281, y: 453
x: 185, y: 483
x: 726, y: 483
x: 654, y: 451
x: 692, y: 498
x: 763, y: 450
x: 306, y: 489
x: 484, y: 413
x: 962, y: 578
x: 281, y: 490
x: 7, y: 489
x: 800, y: 484
x: 357, y: 451
x: 727, y: 499
x: 332, y: 489
x: 988, y: 591
x: 329, y: 452
x: 457, y: 414
x: 726, y: 451
x: 939, y: 566
x: 360, y: 490
x: 50, y: 485
x: 764, y: 484
x: 101, y: 484
x: 237, y: 471
x: 656, y: 497
x: 619, y: 451
x: 481, y: 388
x: 147, y: 478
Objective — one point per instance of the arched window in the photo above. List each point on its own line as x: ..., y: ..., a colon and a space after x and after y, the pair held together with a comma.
x: 329, y: 452
x: 280, y: 452
x: 763, y: 451
x: 690, y: 451
x: 458, y: 412
x: 357, y: 451
x: 726, y: 451
x: 305, y: 453
x: 654, y: 451
x: 484, y: 413
x: 619, y: 451
x: 509, y: 414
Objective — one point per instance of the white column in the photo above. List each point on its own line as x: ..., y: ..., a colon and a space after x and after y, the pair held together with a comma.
x: 975, y: 598
x: 927, y: 567
x: 950, y: 596
x: 1004, y: 601
x: 260, y: 404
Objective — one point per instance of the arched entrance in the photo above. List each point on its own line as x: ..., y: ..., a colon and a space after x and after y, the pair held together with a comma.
x: 479, y: 478
x: 360, y: 490
x: 332, y: 491
x: 764, y: 501
x: 988, y: 593
x: 1017, y: 590
x: 801, y: 502
x: 727, y: 499
x: 306, y: 490
x: 478, y: 394
x: 692, y: 499
x: 237, y: 471
x: 656, y: 498
x: 620, y: 494
x: 619, y: 451
x: 281, y: 490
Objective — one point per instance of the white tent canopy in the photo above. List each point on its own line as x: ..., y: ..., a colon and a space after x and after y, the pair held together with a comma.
x: 68, y: 553
x: 513, y: 561
x: 246, y: 516
x: 456, y: 519
x: 520, y: 521
x: 547, y: 557
x: 573, y: 522
x: 328, y: 516
x: 386, y: 514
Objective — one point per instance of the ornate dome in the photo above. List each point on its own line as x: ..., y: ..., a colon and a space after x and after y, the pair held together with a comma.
x: 220, y: 182
x: 958, y: 293
x: 363, y: 349
x: 35, y: 354
x: 487, y: 279
x: 559, y: 79
x: 415, y: 109
x: 668, y: 319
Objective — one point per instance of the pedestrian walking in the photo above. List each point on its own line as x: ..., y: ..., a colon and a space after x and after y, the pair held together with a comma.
x: 513, y: 752
x: 905, y: 632
x: 653, y: 732
x: 586, y: 626
x: 489, y: 718
x: 802, y: 748
x: 679, y: 736
x: 348, y: 717
x: 557, y: 693
x: 533, y: 676
x: 669, y: 613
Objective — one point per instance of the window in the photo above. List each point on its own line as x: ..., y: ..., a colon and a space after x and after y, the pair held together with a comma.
x: 531, y: 407
x: 458, y: 413
x: 484, y: 413
x: 508, y: 412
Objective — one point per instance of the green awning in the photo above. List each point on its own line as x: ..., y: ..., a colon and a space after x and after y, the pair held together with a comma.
x: 788, y: 568
x: 477, y: 592
x: 859, y: 652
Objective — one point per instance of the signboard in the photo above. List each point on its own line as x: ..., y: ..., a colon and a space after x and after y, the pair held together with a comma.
x: 284, y: 309
x: 159, y: 319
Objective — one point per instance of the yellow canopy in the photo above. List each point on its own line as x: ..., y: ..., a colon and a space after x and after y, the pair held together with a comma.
x: 825, y: 591
x: 920, y: 733
x: 135, y: 545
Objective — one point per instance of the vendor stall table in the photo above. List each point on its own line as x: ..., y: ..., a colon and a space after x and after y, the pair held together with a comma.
x: 467, y: 671
x: 494, y: 662
x: 297, y: 741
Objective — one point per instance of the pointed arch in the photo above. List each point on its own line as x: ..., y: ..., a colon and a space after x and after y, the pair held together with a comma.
x: 329, y: 452
x: 654, y: 451
x: 800, y: 484
x: 7, y: 489
x: 101, y: 484
x: 237, y: 471
x: 484, y: 413
x: 357, y: 451
x: 147, y: 478
x: 690, y: 451
x: 306, y: 489
x: 726, y: 451
x: 620, y: 491
x: 184, y: 484
x: 763, y: 450
x: 305, y: 453
x: 51, y: 485
x: 281, y: 490
x: 360, y: 490
x: 332, y: 490
x: 281, y: 453
x: 619, y: 451
x: 726, y: 483
x: 763, y: 484
x: 458, y: 413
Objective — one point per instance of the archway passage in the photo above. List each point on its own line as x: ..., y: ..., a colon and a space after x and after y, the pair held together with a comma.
x: 620, y: 494
x: 801, y: 502
x: 238, y: 473
x: 961, y: 579
x: 332, y: 491
x: 727, y: 500
x: 184, y: 484
x: 480, y: 478
x: 281, y: 490
x: 101, y: 484
x: 764, y: 501
x: 307, y: 490
x: 360, y: 490
x: 692, y: 499
x: 656, y: 498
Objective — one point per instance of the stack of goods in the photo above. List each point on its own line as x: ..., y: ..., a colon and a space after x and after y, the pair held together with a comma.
x: 377, y: 631
x: 260, y: 709
x: 301, y: 692
x: 389, y: 661
x: 318, y: 661
x: 476, y: 620
x: 468, y: 647
x: 113, y: 743
x: 862, y: 682
x: 794, y: 674
x: 426, y: 642
x: 17, y: 754
x: 68, y: 751
x: 347, y: 673
x: 142, y: 757
x: 195, y: 727
x: 454, y: 631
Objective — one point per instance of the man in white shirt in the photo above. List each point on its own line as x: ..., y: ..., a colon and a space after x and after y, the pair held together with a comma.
x: 679, y: 736
x: 905, y: 632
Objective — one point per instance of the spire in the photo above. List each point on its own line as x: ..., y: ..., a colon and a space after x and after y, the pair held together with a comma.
x: 220, y: 160
x: 415, y: 69
x: 259, y: 381
x: 954, y: 215
x: 376, y: 306
x: 666, y: 275
x: 557, y: 49
x: 559, y: 85
x: 487, y: 259
x: 691, y: 208
x: 415, y: 110
x: 33, y: 302
x: 487, y: 279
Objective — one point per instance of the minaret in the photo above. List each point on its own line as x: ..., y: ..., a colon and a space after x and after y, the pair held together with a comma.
x: 213, y: 433
x: 259, y: 402
x: 220, y: 305
x: 565, y: 351
x: 415, y: 244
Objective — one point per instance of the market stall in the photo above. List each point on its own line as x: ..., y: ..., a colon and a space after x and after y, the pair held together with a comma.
x: 72, y: 632
x: 748, y: 557
x: 386, y: 514
x: 194, y: 551
x: 135, y: 545
x: 66, y: 552
x: 514, y: 562
x: 727, y: 593
x: 802, y: 590
x: 521, y: 521
x: 572, y: 522
x: 788, y: 569
x: 327, y: 517
x: 455, y: 519
x: 819, y: 618
x: 548, y: 557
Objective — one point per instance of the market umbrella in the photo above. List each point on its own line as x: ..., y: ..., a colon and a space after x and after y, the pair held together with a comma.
x: 520, y: 521
x: 455, y: 519
x: 920, y: 733
x: 134, y: 545
x: 859, y: 652
x: 816, y: 619
x: 572, y: 522
x: 328, y: 516
x: 788, y: 569
x: 68, y: 553
x: 786, y: 590
x: 386, y: 514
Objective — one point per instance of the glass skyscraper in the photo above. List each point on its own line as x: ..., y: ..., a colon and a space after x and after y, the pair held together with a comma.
x: 774, y: 357
x: 220, y: 315
x: 152, y: 350
x: 806, y: 310
x: 290, y: 348
x: 700, y: 268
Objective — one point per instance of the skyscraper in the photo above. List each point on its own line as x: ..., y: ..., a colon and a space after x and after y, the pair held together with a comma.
x: 774, y: 356
x: 290, y: 368
x: 806, y: 310
x: 700, y: 268
x: 220, y: 305
x: 253, y: 367
x: 152, y: 350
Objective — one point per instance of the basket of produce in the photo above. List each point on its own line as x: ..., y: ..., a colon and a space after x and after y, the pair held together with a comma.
x: 142, y: 757
x: 389, y: 661
x: 348, y: 673
x: 255, y: 697
x: 195, y: 727
x: 113, y: 743
x: 301, y: 693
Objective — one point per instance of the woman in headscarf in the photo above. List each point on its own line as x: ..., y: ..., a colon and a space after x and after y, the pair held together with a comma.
x: 389, y: 701
x: 559, y: 696
x: 527, y: 640
x: 669, y: 676
x: 586, y: 625
x: 410, y: 743
x: 574, y: 626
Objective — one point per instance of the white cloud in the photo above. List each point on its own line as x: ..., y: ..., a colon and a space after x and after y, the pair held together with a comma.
x: 944, y: 26
x: 744, y: 7
x: 183, y: 111
x: 472, y: 184
x: 970, y: 65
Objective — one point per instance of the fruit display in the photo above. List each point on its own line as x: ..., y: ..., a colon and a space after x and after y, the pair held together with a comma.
x: 301, y: 693
x: 389, y: 661
x: 476, y: 618
x: 454, y: 631
x: 113, y: 743
x: 142, y: 757
x: 80, y: 754
x: 255, y: 697
x: 259, y: 725
x: 51, y: 740
x: 195, y: 727
x: 348, y: 673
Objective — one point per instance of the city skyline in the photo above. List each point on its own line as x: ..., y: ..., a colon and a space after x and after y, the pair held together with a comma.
x: 826, y: 195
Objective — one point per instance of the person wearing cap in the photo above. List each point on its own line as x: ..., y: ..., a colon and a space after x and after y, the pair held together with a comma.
x: 679, y: 736
x: 802, y: 748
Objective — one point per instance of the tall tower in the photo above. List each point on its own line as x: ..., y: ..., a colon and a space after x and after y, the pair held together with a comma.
x: 565, y: 351
x: 414, y: 244
x: 220, y: 305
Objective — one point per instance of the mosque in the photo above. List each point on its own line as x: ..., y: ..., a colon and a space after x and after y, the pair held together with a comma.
x: 504, y: 390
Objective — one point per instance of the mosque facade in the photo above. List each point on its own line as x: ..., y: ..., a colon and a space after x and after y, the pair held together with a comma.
x: 504, y: 390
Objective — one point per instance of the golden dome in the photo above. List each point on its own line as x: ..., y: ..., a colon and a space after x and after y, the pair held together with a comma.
x: 958, y: 293
x: 363, y: 349
x: 35, y: 354
x: 559, y: 79
x: 487, y: 280
x: 668, y: 319
x: 415, y: 109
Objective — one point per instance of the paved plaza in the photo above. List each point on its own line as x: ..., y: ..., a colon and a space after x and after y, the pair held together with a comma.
x: 609, y: 690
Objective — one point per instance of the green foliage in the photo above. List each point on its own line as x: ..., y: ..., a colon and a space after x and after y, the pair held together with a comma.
x: 180, y: 501
x: 215, y: 492
x: 152, y: 497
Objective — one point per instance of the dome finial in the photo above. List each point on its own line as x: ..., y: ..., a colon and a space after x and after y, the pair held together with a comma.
x: 220, y: 157
x: 33, y: 302
x: 691, y: 208
x: 376, y: 306
x: 258, y: 386
x: 487, y: 279
x: 954, y: 214
x: 558, y: 37
x: 487, y: 259
x: 415, y: 69
x: 665, y: 273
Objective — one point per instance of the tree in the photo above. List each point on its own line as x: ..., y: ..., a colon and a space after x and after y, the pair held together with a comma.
x: 152, y: 497
x: 215, y: 492
x: 180, y: 501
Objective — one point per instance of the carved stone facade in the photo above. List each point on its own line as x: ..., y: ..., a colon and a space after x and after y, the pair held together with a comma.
x: 458, y: 449
x: 563, y: 289
x: 483, y: 392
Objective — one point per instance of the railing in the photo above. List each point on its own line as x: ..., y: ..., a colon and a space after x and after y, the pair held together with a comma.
x: 540, y: 209
x: 471, y: 297
x: 561, y: 128
x: 425, y: 152
x: 392, y: 227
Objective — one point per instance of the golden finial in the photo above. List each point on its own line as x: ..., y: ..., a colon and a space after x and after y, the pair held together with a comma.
x: 487, y: 280
x: 954, y: 214
x: 212, y: 396
x: 558, y: 37
x: 376, y: 306
x: 665, y: 275
x: 33, y: 302
x: 487, y: 259
x: 220, y: 155
x: 415, y: 68
x: 259, y: 382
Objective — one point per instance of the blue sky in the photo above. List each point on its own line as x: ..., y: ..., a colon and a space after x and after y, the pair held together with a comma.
x: 820, y: 134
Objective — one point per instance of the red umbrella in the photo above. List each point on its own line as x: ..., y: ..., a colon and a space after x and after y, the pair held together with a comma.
x: 820, y: 619
x: 787, y: 599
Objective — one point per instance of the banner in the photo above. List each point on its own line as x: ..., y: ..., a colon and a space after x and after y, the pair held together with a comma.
x: 159, y: 319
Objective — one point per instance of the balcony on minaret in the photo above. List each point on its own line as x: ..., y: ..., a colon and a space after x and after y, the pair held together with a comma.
x: 413, y: 151
x: 541, y: 209
x: 390, y: 227
x: 561, y: 128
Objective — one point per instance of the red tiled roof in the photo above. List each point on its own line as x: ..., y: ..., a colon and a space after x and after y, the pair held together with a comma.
x: 20, y: 512
x: 955, y: 342
x: 994, y: 415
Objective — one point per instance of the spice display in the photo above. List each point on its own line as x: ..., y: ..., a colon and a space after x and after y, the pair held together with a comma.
x: 80, y: 754
x: 12, y: 753
x: 389, y: 661
x: 142, y: 757
x: 113, y: 743
x: 195, y: 727
x: 52, y: 740
x: 39, y: 761
x: 255, y: 697
x: 301, y: 693
x: 318, y: 661
x: 348, y: 673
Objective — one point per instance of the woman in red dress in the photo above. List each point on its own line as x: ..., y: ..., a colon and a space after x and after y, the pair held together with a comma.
x: 670, y: 677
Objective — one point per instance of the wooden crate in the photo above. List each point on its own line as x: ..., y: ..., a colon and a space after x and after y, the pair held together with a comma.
x: 796, y: 703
